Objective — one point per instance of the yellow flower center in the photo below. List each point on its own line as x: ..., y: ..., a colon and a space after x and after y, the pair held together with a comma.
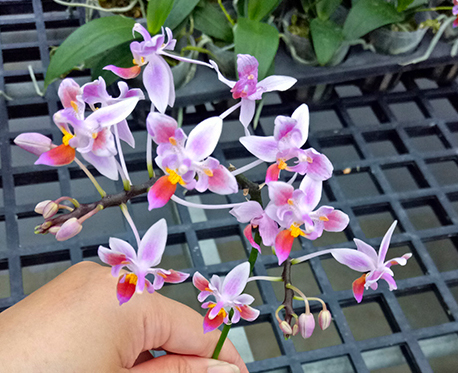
x: 222, y: 312
x: 309, y: 160
x: 282, y: 164
x: 208, y: 172
x: 290, y: 202
x: 142, y: 61
x: 74, y: 105
x: 131, y: 279
x: 172, y: 141
x: 67, y: 137
x: 324, y: 218
x: 250, y: 77
x: 174, y: 178
x: 94, y: 135
x: 296, y: 231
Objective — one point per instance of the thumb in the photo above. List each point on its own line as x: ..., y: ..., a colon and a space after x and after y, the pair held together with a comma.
x: 184, y: 364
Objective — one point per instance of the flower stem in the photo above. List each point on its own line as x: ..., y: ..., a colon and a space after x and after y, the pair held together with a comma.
x: 223, y: 336
x: 254, y: 252
x: 231, y: 21
x: 125, y: 174
x: 149, y: 156
x: 125, y: 211
x: 230, y: 110
x: 247, y: 167
x: 203, y: 206
x: 91, y: 177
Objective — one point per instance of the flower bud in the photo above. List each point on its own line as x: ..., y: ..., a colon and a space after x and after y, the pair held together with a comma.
x: 295, y: 329
x: 33, y: 142
x: 324, y: 319
x: 69, y: 229
x: 306, y: 324
x: 40, y: 207
x: 50, y: 210
x: 53, y: 230
x: 285, y: 327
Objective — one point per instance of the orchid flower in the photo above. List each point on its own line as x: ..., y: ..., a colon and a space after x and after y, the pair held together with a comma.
x: 290, y: 134
x: 365, y: 259
x: 151, y: 248
x: 92, y: 136
x: 182, y: 158
x: 248, y: 89
x: 228, y: 295
x: 157, y: 76
x: 253, y: 213
x: 96, y: 93
x: 70, y: 94
x: 292, y: 208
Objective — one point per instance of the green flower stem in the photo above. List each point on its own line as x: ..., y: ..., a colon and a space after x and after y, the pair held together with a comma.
x: 91, y: 177
x: 223, y: 337
x: 254, y: 252
x: 231, y: 21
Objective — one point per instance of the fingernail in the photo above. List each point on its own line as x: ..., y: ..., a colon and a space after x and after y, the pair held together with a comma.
x: 222, y: 367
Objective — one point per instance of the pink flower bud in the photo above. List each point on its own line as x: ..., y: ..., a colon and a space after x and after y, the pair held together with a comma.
x: 39, y: 207
x: 306, y: 324
x: 69, y: 229
x: 324, y: 319
x: 50, y: 210
x: 54, y: 230
x: 285, y: 327
x: 33, y: 142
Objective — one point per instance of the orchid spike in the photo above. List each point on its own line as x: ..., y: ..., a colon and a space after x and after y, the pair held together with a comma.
x: 290, y: 134
x: 253, y: 213
x: 182, y: 158
x: 228, y: 295
x: 122, y: 254
x: 365, y: 259
x: 248, y: 89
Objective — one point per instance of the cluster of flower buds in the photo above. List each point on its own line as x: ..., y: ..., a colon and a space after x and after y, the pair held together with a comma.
x: 70, y: 227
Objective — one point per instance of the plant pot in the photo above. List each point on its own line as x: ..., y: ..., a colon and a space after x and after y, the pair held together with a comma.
x: 301, y: 48
x: 387, y: 41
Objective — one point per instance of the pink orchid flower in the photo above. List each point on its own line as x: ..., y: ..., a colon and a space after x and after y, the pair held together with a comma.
x: 292, y: 209
x: 365, y: 259
x: 455, y: 13
x: 96, y: 93
x: 290, y: 134
x: 253, y: 213
x: 248, y: 89
x: 122, y: 254
x: 182, y: 158
x: 157, y: 76
x: 228, y: 295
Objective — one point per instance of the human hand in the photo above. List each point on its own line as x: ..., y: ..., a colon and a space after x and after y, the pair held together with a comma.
x: 75, y: 324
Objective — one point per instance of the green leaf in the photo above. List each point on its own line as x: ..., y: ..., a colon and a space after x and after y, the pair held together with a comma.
x: 241, y: 7
x: 327, y: 38
x: 325, y: 8
x: 368, y: 15
x: 259, y: 9
x: 157, y: 13
x: 403, y: 4
x: 211, y: 21
x: 120, y: 56
x: 88, y: 41
x: 181, y: 9
x: 258, y: 39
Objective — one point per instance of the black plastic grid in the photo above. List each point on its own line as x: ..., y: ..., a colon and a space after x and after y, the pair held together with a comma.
x: 394, y: 156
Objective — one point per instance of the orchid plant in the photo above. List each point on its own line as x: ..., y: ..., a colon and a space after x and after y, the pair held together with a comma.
x: 186, y: 160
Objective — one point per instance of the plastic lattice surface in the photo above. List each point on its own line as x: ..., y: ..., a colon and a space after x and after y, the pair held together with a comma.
x: 394, y: 156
